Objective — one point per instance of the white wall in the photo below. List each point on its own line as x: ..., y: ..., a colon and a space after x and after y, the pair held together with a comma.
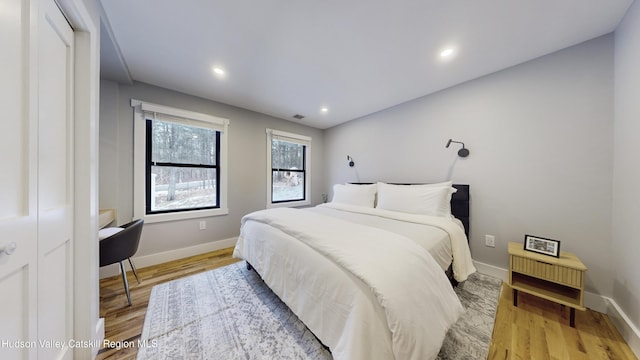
x: 246, y: 157
x: 626, y: 172
x: 540, y: 136
x: 108, y: 143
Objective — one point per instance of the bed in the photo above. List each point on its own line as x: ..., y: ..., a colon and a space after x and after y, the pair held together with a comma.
x: 366, y: 272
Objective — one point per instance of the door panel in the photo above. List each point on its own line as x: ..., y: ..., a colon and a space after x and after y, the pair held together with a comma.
x: 36, y: 201
x: 55, y: 175
x: 18, y: 207
x: 12, y: 98
x: 14, y: 310
x: 54, y: 302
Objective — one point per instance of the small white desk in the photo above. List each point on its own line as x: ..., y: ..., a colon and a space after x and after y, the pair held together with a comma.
x: 106, y: 217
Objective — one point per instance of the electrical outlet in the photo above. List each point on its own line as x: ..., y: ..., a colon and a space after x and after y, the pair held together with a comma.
x: 203, y: 225
x: 490, y: 240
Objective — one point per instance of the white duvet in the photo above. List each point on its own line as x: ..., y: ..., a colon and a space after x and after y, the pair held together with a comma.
x: 462, y: 262
x: 365, y: 292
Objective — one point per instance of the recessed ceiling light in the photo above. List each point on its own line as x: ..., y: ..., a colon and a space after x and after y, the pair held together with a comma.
x: 446, y: 52
x: 218, y: 70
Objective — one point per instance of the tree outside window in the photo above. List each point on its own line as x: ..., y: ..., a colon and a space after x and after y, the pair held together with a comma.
x: 288, y: 159
x: 288, y: 170
x: 182, y: 167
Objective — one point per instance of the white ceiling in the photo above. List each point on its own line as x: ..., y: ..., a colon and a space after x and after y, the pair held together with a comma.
x: 356, y: 57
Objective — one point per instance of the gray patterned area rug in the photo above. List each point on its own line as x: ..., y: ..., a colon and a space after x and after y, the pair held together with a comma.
x: 229, y: 313
x: 470, y: 337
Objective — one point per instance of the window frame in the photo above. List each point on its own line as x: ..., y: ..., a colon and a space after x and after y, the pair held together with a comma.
x: 144, y: 111
x: 296, y: 139
x: 149, y: 164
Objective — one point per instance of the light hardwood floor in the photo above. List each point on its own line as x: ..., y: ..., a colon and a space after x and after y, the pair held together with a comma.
x: 539, y: 329
x: 536, y: 329
x: 124, y: 323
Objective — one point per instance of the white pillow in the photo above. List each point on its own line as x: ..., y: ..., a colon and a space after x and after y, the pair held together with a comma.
x: 359, y: 195
x: 428, y: 199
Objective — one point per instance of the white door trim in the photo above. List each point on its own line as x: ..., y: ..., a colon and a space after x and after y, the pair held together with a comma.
x: 87, y: 325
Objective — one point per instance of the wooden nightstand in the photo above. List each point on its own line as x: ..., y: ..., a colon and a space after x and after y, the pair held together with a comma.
x: 560, y: 280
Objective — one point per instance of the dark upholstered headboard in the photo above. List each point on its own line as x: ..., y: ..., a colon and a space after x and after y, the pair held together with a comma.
x: 459, y: 203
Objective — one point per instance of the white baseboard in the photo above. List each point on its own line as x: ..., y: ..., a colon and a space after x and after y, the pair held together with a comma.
x: 165, y: 256
x: 625, y: 326
x: 494, y: 271
x: 593, y: 301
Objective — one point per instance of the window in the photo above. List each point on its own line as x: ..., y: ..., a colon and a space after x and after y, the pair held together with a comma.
x: 288, y: 169
x: 182, y: 167
x: 179, y: 159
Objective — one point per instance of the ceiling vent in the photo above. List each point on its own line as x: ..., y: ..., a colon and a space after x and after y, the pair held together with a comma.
x: 298, y: 116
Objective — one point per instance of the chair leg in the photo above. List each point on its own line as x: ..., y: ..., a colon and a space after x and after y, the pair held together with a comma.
x: 124, y: 280
x: 134, y: 270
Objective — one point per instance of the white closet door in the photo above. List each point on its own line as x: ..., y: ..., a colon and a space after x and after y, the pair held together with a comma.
x: 55, y: 182
x: 18, y: 185
x: 36, y: 201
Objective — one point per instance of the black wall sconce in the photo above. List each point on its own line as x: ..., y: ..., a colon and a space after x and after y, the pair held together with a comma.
x: 350, y: 160
x: 464, y: 152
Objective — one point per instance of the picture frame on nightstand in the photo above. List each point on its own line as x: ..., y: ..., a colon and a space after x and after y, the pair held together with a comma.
x: 542, y: 245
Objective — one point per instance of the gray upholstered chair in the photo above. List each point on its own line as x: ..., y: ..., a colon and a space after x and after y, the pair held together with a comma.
x: 121, y: 244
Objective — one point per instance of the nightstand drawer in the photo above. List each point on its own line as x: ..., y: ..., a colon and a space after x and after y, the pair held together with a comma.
x: 547, y: 271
